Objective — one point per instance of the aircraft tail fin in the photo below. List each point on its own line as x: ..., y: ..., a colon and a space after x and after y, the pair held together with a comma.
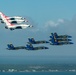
x: 10, y: 46
x: 4, y: 18
x: 29, y: 46
x: 55, y: 34
x: 52, y: 34
x: 54, y: 41
x: 31, y: 40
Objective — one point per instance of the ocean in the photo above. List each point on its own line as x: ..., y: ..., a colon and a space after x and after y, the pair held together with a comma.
x: 38, y: 73
x: 48, y: 69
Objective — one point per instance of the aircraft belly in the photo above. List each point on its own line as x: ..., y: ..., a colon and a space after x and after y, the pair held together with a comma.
x: 40, y: 42
x: 37, y: 48
x: 22, y: 47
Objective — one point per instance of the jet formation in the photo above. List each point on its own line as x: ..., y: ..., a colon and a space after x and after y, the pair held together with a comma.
x: 56, y: 39
x: 18, y: 22
x: 15, y: 22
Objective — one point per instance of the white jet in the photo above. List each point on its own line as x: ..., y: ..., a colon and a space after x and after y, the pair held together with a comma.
x: 11, y: 26
x: 15, y: 19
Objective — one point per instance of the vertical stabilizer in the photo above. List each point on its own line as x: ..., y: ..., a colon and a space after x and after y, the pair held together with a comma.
x: 29, y: 46
x: 10, y: 46
x: 31, y: 40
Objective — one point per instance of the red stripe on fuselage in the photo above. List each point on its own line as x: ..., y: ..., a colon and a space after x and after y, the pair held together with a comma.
x: 7, y: 20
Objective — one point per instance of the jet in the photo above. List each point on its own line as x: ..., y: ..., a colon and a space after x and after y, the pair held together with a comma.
x: 60, y: 36
x: 12, y: 47
x: 15, y: 19
x: 32, y: 41
x: 57, y: 42
x: 61, y: 39
x: 13, y: 26
x: 30, y: 47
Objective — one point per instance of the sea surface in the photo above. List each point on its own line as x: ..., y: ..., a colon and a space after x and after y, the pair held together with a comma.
x: 39, y: 73
x: 46, y: 69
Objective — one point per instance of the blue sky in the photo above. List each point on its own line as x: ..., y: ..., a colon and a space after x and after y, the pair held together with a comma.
x: 47, y: 16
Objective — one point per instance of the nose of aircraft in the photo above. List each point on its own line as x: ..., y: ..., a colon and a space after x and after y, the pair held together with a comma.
x: 71, y: 43
x: 47, y: 42
x: 46, y: 48
x: 31, y: 26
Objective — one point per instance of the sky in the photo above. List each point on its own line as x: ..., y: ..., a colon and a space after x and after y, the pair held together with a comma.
x: 46, y: 16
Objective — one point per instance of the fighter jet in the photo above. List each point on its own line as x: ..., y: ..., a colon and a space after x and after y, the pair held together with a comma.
x: 56, y: 42
x: 55, y: 35
x: 30, y: 47
x: 32, y: 41
x: 15, y: 19
x: 61, y: 39
x: 13, y: 26
x: 11, y: 47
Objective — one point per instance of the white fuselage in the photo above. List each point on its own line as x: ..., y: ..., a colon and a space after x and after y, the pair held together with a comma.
x: 15, y: 20
x: 15, y: 17
x: 21, y: 26
x: 11, y: 26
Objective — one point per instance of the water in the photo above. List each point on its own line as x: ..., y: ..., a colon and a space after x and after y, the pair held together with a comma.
x: 48, y: 69
x: 38, y: 68
x: 39, y: 73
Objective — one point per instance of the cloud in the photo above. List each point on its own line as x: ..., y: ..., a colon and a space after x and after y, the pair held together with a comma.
x: 60, y: 20
x: 54, y: 24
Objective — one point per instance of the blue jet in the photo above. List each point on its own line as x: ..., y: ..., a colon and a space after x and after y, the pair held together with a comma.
x: 61, y: 39
x: 30, y: 47
x: 12, y: 47
x: 32, y: 41
x: 60, y: 36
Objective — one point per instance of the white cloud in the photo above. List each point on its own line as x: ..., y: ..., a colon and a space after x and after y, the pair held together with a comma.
x: 60, y: 20
x: 54, y: 24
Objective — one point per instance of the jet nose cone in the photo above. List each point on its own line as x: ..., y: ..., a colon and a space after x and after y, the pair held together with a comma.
x: 46, y: 48
x: 71, y: 43
x: 47, y: 42
x: 31, y: 26
x: 26, y: 20
x: 69, y: 36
